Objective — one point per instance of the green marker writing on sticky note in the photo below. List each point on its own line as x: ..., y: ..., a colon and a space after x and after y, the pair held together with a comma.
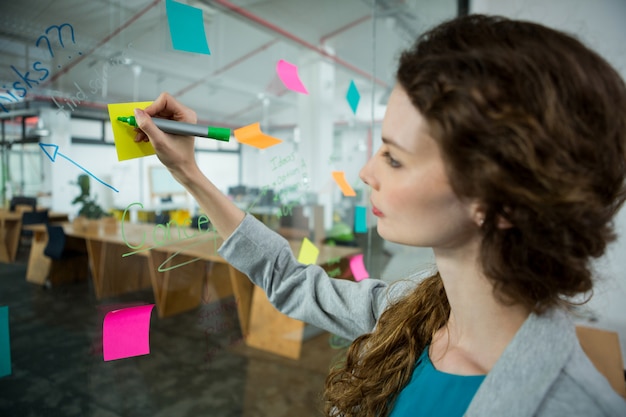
x: 181, y: 128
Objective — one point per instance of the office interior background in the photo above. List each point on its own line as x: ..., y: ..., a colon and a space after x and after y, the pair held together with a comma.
x: 122, y: 51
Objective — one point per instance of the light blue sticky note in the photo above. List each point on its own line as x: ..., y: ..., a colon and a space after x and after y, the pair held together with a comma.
x: 360, y: 223
x: 5, y: 344
x: 353, y: 96
x: 186, y: 28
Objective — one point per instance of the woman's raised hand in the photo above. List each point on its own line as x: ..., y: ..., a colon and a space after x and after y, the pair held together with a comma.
x: 175, y: 152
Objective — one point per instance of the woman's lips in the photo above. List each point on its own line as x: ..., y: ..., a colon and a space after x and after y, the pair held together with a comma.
x: 376, y: 212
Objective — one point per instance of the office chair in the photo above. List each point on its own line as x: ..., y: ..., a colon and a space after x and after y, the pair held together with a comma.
x: 28, y: 218
x: 33, y: 217
x: 56, y: 242
x: 68, y: 264
x: 194, y: 224
x: 162, y: 218
x: 23, y: 201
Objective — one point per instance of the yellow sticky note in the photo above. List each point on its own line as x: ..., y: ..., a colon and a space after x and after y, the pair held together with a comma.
x: 340, y: 179
x: 252, y: 135
x: 124, y: 134
x: 308, y: 252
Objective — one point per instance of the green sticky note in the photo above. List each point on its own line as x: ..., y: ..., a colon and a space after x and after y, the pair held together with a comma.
x: 5, y: 344
x: 308, y: 252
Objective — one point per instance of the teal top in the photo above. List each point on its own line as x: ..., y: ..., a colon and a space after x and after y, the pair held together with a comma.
x: 434, y: 393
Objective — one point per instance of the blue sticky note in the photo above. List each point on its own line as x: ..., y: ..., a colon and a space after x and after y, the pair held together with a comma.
x: 186, y: 28
x: 353, y: 96
x: 5, y: 345
x: 360, y: 223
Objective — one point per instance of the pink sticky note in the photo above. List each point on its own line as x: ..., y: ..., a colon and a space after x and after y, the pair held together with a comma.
x: 126, y: 332
x: 358, y: 268
x: 288, y: 74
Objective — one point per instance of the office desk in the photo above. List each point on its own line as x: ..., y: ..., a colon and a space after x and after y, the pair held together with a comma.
x: 10, y: 227
x: 10, y: 230
x: 176, y: 269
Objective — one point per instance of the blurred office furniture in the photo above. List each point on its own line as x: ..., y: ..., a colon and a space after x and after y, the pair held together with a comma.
x: 19, y: 203
x: 250, y: 197
x: 10, y: 228
x: 33, y: 217
x: 30, y: 218
x: 302, y: 221
x: 237, y: 192
x: 161, y: 218
x: 195, y: 223
x: 54, y: 257
x: 69, y: 261
x: 603, y: 349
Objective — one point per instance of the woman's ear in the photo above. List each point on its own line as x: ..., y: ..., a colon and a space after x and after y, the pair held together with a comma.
x: 477, y: 213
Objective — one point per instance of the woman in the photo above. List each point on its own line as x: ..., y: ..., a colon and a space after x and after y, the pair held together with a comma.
x: 503, y: 150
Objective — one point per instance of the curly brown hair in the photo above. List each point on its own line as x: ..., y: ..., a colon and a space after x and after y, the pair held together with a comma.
x: 532, y: 124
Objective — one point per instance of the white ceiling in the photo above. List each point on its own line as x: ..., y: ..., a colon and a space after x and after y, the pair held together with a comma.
x: 246, y: 38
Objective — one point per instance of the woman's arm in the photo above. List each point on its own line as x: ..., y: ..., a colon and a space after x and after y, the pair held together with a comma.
x: 304, y: 292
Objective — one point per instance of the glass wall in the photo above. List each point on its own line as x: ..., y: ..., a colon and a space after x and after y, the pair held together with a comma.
x: 314, y: 75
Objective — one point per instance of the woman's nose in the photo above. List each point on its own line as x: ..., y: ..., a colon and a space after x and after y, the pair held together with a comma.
x: 366, y: 173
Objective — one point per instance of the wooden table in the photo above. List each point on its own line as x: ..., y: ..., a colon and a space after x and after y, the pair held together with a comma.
x: 177, y: 268
x: 10, y: 230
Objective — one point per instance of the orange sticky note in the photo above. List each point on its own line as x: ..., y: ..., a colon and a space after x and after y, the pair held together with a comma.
x: 308, y: 252
x: 251, y: 135
x: 340, y: 179
x: 124, y: 134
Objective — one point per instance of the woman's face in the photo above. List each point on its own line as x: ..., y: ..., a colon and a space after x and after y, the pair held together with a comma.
x: 411, y: 195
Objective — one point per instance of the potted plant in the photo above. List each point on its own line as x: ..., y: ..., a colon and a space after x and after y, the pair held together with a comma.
x: 90, y: 211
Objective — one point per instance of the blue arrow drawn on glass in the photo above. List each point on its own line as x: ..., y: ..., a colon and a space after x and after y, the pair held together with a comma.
x: 51, y: 150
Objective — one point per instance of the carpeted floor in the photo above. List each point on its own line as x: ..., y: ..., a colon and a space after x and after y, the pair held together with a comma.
x: 58, y: 367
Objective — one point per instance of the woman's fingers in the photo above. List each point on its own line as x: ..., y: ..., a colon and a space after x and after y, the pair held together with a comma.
x: 140, y: 136
x: 168, y: 107
x: 145, y: 125
x: 165, y: 106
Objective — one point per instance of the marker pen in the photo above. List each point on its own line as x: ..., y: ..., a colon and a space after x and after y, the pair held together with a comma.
x: 181, y: 128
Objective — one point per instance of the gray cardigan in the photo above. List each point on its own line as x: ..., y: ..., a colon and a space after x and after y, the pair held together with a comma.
x: 543, y: 371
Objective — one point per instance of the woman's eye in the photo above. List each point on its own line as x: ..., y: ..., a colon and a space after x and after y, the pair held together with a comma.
x: 392, y: 162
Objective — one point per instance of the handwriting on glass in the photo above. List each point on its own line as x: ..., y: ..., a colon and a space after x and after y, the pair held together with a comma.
x: 167, y: 234
x: 211, y: 323
x: 25, y: 81
x: 286, y: 189
x: 95, y: 84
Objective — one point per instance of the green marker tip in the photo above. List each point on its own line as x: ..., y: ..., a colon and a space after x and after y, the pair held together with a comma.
x: 129, y: 119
